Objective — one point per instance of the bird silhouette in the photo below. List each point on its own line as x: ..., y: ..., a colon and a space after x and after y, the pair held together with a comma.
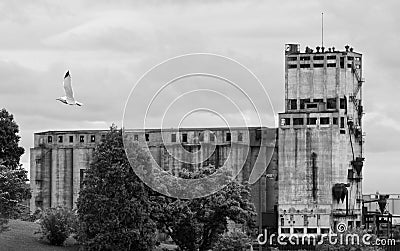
x: 69, y: 93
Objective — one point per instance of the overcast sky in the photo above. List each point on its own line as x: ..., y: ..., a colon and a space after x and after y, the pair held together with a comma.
x: 108, y: 47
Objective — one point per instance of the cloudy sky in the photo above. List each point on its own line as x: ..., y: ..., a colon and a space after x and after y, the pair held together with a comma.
x: 108, y: 47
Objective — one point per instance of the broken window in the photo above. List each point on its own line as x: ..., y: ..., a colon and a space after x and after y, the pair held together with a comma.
x: 324, y: 121
x: 81, y: 138
x: 147, y: 136
x: 298, y: 121
x: 311, y: 121
x: 135, y: 137
x: 304, y: 58
x: 49, y: 139
x: 92, y: 138
x: 60, y: 139
x: 331, y: 103
x: 293, y: 104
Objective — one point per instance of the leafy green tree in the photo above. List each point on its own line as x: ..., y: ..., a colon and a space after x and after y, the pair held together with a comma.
x: 10, y: 152
x: 198, y: 224
x: 236, y: 241
x: 113, y: 205
x: 13, y: 178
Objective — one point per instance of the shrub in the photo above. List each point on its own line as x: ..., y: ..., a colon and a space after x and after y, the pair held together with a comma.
x: 236, y: 241
x: 57, y: 224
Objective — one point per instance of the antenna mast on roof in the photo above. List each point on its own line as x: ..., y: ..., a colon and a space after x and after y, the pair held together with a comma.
x: 322, y: 40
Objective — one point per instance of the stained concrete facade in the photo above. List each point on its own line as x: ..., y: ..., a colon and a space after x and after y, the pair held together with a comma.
x: 59, y: 158
x: 320, y: 141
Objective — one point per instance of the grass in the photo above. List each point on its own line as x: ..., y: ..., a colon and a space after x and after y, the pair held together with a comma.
x: 21, y: 236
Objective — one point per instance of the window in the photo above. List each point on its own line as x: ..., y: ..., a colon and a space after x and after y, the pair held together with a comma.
x: 331, y: 65
x: 325, y: 230
x: 173, y: 137
x: 228, y: 137
x: 38, y: 161
x: 303, y: 102
x: 292, y: 58
x: 103, y: 136
x: 358, y: 224
x: 212, y: 137
x: 298, y: 230
x: 318, y: 57
x: 92, y: 138
x: 331, y: 57
x: 305, y: 66
x: 349, y: 65
x: 285, y: 121
x: 285, y: 230
x: 184, y: 137
x: 298, y: 121
x: 317, y: 100
x: 350, y: 224
x: 324, y: 121
x: 343, y: 103
x: 342, y: 62
x: 136, y: 137
x: 341, y: 122
x: 60, y: 139
x: 305, y: 58
x: 311, y: 230
x: 335, y: 121
x: 350, y: 58
x: 71, y: 139
x: 342, y: 131
x: 293, y: 104
x: 311, y: 121
x: 318, y: 65
x: 49, y: 139
x: 82, y: 138
x: 147, y: 136
x: 81, y: 177
x: 201, y: 136
x: 240, y: 136
x: 311, y: 105
x: 292, y: 66
x: 331, y: 103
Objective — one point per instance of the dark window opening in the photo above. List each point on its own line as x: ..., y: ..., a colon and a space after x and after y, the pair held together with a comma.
x: 60, y: 139
x: 81, y: 177
x: 305, y: 58
x: 81, y: 138
x: 228, y: 136
x: 318, y: 65
x: 240, y: 136
x: 342, y: 62
x: 331, y: 65
x: 312, y: 105
x: 303, y: 102
x: 324, y: 121
x: 212, y: 137
x: 317, y: 100
x: 298, y: 121
x: 331, y: 57
x: 173, y: 137
x: 147, y: 136
x: 287, y: 121
x: 103, y: 136
x: 136, y: 137
x: 201, y: 136
x: 335, y: 121
x: 292, y: 66
x: 311, y: 121
x: 305, y: 66
x: 293, y: 104
x: 71, y: 139
x: 292, y: 58
x: 350, y: 58
x: 311, y: 230
x: 331, y: 103
x: 258, y: 134
x: 92, y: 138
x: 341, y: 122
x: 342, y: 131
x: 184, y: 137
x: 318, y: 57
x: 49, y: 139
x: 297, y: 230
x: 285, y: 230
x: 349, y: 65
x: 343, y: 103
x: 325, y: 230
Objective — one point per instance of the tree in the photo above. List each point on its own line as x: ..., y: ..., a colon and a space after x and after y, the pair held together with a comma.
x: 113, y: 205
x: 198, y: 224
x: 10, y: 152
x: 13, y: 178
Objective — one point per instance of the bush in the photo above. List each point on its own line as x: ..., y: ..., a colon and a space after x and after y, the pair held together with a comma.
x: 57, y: 224
x: 236, y: 241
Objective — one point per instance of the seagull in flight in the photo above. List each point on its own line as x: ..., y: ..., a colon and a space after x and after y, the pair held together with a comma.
x: 69, y: 93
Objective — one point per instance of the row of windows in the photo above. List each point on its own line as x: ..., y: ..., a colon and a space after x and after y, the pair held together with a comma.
x: 60, y: 139
x: 300, y: 230
x: 200, y: 137
x: 321, y: 57
x: 331, y: 103
x: 312, y: 121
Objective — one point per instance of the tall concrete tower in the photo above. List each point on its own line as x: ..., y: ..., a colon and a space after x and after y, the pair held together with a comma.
x: 320, y: 141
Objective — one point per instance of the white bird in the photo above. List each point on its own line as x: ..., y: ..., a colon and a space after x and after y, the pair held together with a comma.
x: 69, y: 93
